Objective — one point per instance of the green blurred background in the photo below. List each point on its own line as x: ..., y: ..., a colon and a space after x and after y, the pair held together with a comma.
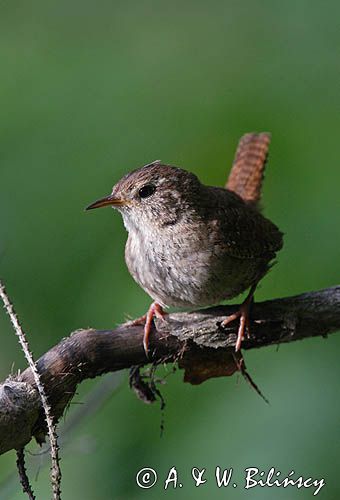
x: 90, y: 90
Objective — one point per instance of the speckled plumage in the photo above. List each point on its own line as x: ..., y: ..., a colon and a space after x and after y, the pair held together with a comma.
x: 191, y: 245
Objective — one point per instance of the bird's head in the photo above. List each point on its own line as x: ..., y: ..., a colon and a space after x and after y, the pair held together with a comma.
x: 154, y: 195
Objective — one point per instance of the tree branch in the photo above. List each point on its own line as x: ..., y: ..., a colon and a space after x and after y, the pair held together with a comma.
x: 193, y: 339
x: 50, y: 424
x: 25, y: 483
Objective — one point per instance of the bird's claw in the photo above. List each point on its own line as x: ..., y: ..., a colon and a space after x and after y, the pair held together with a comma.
x: 155, y: 310
x: 243, y: 315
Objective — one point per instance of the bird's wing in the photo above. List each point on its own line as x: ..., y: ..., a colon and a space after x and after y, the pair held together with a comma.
x: 243, y: 232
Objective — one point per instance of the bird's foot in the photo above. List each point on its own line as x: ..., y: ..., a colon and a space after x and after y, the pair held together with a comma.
x: 155, y: 310
x: 243, y: 314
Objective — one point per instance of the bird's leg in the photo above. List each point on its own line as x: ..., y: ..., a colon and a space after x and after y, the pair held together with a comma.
x: 243, y: 314
x: 155, y: 309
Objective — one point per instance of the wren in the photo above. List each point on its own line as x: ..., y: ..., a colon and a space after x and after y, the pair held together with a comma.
x: 191, y: 245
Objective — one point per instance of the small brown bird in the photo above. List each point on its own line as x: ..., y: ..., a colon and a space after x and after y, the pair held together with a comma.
x: 191, y: 245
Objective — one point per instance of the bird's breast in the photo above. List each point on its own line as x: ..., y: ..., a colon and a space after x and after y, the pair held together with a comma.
x: 152, y: 265
x: 183, y: 271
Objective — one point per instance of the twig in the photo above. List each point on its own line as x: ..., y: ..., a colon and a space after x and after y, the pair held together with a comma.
x: 89, y: 407
x: 194, y: 339
x: 25, y: 483
x: 51, y: 427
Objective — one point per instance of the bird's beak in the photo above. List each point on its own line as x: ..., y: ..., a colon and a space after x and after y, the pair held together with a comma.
x: 108, y: 200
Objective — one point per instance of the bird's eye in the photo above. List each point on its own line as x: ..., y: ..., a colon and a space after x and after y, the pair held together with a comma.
x: 147, y: 190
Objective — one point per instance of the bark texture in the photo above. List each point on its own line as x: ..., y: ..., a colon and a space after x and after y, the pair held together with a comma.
x: 194, y: 339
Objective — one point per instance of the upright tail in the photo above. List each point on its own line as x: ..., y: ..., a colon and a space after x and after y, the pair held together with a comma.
x: 247, y: 172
